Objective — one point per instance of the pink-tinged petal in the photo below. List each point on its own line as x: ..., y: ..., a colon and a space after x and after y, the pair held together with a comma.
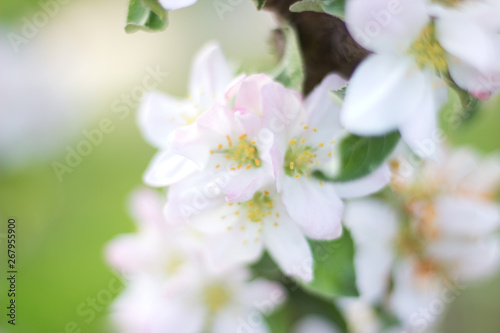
x: 385, y: 25
x: 456, y: 216
x: 373, y: 226
x: 263, y: 296
x: 218, y: 119
x: 282, y: 109
x: 473, y: 80
x: 193, y: 142
x: 146, y: 208
x: 167, y: 168
x: 367, y: 185
x: 469, y: 43
x: 382, y: 93
x: 241, y: 244
x: 249, y: 122
x: 176, y: 4
x: 420, y: 130
x: 323, y: 112
x: 289, y: 248
x: 243, y: 183
x: 247, y: 93
x: 316, y: 324
x: 158, y: 116
x: 210, y: 76
x: 125, y: 253
x: 314, y: 206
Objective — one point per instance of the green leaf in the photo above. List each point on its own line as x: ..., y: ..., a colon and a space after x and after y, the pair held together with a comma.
x: 332, y: 7
x: 335, y: 7
x: 259, y: 3
x: 290, y: 71
x: 360, y: 156
x: 307, y: 6
x: 334, y: 273
x: 146, y: 15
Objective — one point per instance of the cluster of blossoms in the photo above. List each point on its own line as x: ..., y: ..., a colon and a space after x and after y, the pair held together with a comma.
x: 417, y: 254
x: 237, y: 157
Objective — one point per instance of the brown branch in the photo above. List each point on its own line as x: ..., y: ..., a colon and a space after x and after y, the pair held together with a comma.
x: 325, y: 43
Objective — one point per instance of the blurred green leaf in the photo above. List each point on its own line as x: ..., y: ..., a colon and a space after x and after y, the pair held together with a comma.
x: 259, y: 3
x: 360, y: 156
x: 332, y: 7
x: 146, y: 15
x: 290, y: 71
x: 334, y: 273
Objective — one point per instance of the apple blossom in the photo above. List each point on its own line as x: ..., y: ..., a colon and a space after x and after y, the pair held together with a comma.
x: 402, y: 84
x: 160, y: 116
x: 446, y: 237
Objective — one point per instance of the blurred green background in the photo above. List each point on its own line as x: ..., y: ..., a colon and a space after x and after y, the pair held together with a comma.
x: 63, y: 227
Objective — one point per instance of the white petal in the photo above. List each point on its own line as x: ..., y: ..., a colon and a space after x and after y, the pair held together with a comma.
x: 419, y: 130
x: 485, y: 178
x: 176, y: 4
x: 385, y: 25
x: 289, y: 248
x: 373, y: 226
x: 463, y: 217
x: 413, y: 292
x: 468, y: 42
x: 469, y: 260
x: 210, y: 76
x: 264, y: 296
x: 167, y: 168
x: 384, y: 90
x: 314, y: 206
x: 323, y: 112
x: 473, y: 80
x: 242, y: 244
x: 158, y: 116
x: 367, y: 185
x: 316, y: 324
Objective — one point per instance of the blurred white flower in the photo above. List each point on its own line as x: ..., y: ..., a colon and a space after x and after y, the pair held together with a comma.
x: 171, y: 289
x: 316, y: 324
x: 468, y: 31
x: 445, y: 235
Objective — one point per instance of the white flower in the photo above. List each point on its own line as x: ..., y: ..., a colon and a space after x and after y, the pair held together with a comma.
x: 399, y: 86
x: 176, y: 4
x: 204, y: 303
x: 160, y: 116
x: 157, y: 248
x: 445, y: 237
x: 275, y: 204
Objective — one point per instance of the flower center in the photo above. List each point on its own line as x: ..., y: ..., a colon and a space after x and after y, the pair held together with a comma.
x: 216, y: 296
x: 299, y: 159
x: 427, y: 50
x: 259, y: 206
x: 174, y: 263
x: 244, y: 152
